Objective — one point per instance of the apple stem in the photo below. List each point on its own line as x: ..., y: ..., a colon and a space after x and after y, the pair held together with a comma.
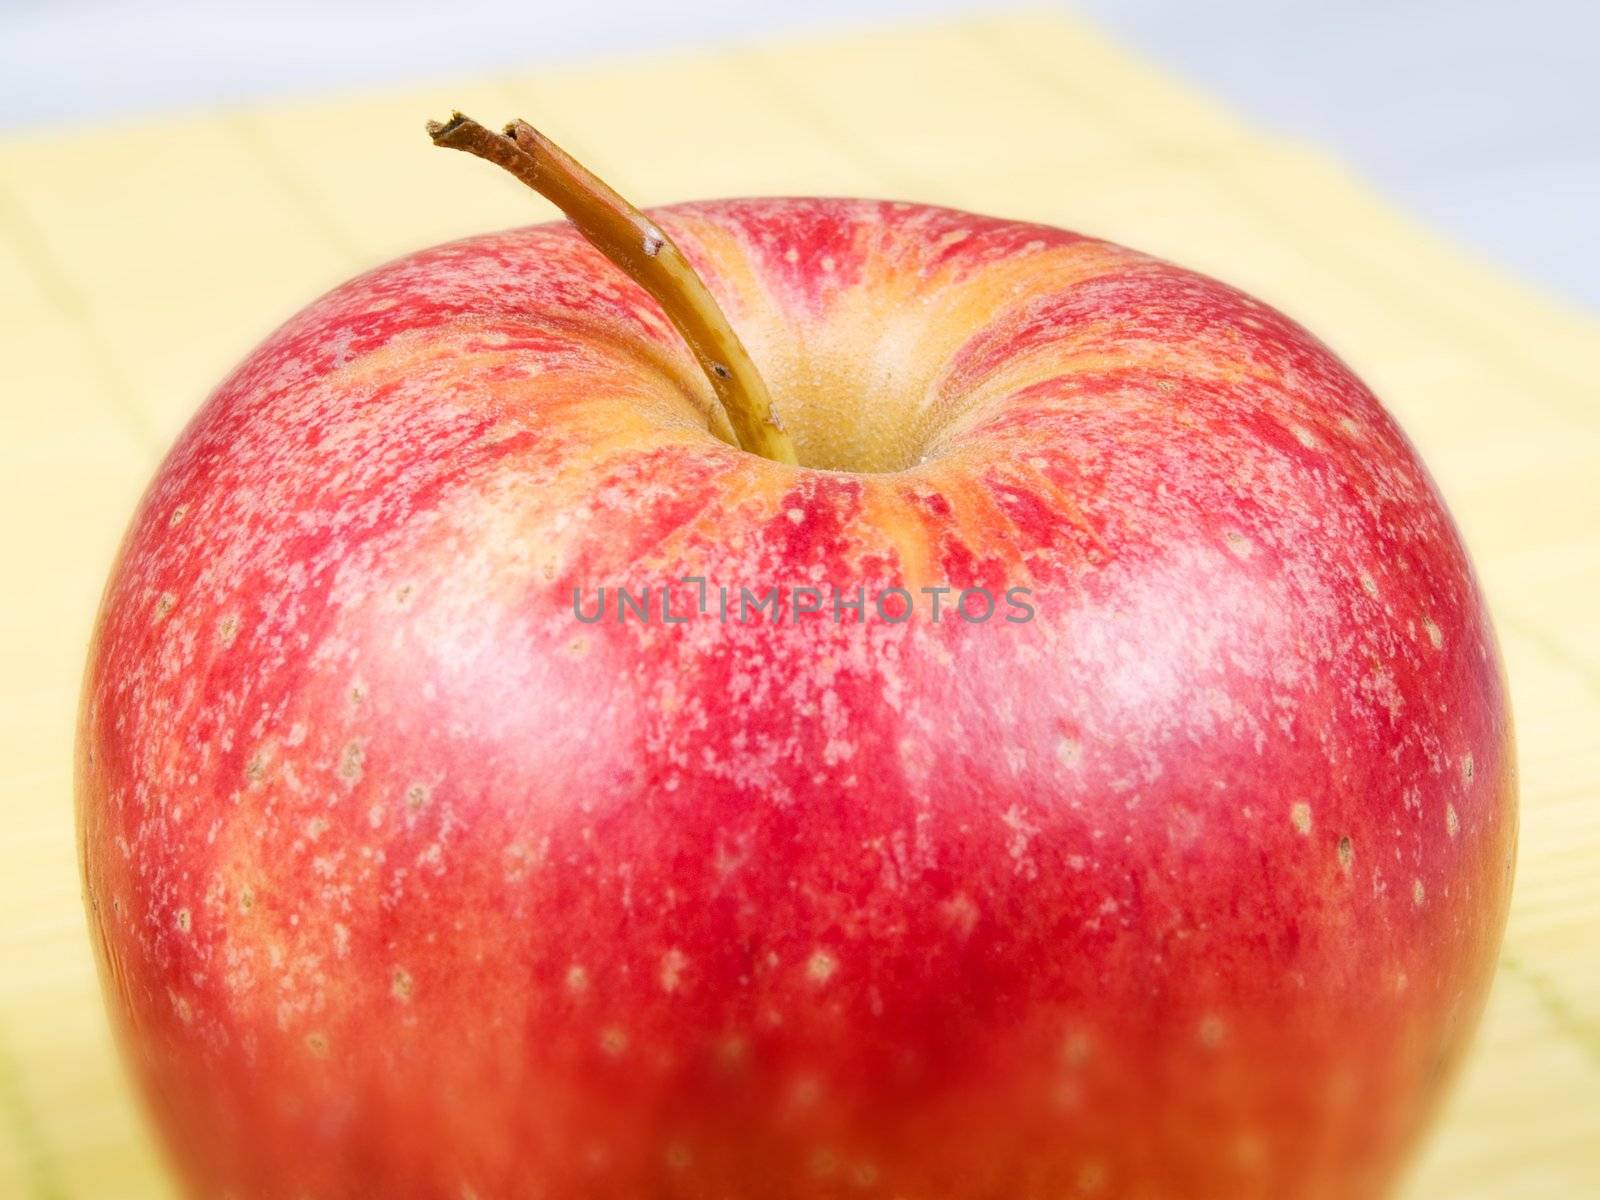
x: 637, y: 245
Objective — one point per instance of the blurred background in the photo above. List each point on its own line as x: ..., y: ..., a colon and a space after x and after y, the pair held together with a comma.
x: 1415, y: 181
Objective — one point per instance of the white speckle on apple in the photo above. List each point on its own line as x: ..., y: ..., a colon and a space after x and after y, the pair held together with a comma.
x: 1419, y: 894
x: 1467, y: 769
x: 1435, y: 634
x: 1023, y: 832
x: 1300, y: 817
x: 962, y: 913
x: 613, y: 1041
x: 577, y: 980
x: 1212, y: 1030
x: 673, y: 964
x: 1452, y: 822
x: 821, y: 967
x: 1239, y: 545
x: 401, y: 985
x: 1369, y: 585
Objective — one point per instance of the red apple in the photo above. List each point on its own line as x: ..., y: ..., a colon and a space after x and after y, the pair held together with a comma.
x: 409, y: 883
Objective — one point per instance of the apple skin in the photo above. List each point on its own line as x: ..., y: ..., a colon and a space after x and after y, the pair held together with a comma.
x: 406, y: 883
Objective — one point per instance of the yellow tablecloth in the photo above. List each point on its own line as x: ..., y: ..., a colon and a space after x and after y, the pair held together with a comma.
x: 137, y: 263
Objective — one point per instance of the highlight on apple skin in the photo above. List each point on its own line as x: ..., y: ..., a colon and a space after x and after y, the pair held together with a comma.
x: 407, y: 883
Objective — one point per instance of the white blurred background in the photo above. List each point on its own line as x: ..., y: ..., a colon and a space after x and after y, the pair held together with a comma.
x: 1478, y: 117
